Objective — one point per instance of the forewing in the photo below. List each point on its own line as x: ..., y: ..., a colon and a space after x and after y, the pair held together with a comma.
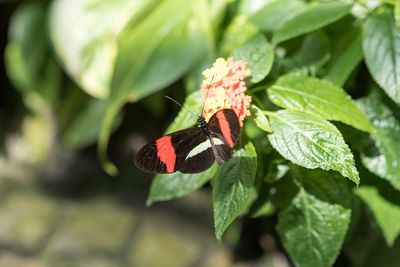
x: 224, y: 124
x: 169, y: 153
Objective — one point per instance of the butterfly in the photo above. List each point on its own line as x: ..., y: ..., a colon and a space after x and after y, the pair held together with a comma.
x: 192, y: 150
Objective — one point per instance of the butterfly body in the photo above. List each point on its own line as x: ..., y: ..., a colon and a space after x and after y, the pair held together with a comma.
x: 192, y: 150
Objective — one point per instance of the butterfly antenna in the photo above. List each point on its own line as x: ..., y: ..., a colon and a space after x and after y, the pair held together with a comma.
x: 179, y: 104
x: 205, y: 100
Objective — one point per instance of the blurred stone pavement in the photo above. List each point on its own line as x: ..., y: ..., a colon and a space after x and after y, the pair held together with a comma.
x: 38, y: 229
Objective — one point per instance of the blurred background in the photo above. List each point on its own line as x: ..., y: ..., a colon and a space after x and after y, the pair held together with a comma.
x: 64, y: 64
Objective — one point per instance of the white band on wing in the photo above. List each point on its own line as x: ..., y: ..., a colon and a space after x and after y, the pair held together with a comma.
x: 203, y: 147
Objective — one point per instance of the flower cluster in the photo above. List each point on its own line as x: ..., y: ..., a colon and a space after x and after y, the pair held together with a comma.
x: 224, y: 87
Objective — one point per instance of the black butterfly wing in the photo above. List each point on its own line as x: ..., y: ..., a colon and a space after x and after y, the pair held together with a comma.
x: 224, y: 124
x: 186, y: 151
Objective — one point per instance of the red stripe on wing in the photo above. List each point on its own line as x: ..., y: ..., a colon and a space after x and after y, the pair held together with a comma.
x: 225, y: 128
x: 166, y: 152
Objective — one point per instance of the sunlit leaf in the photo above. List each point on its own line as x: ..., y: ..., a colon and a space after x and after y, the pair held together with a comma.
x: 275, y: 13
x: 259, y: 54
x: 260, y: 119
x: 315, y: 16
x: 311, y: 142
x: 298, y: 92
x: 381, y: 43
x: 89, y: 54
x: 151, y: 55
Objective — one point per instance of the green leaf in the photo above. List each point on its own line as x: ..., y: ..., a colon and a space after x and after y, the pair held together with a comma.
x: 170, y: 186
x: 275, y: 13
x: 277, y: 168
x: 260, y: 119
x: 185, y: 118
x: 384, y: 162
x: 164, y: 46
x: 232, y: 187
x: 397, y: 12
x: 84, y: 130
x: 89, y: 55
x: 386, y: 213
x: 315, y: 16
x: 236, y: 34
x: 311, y: 56
x: 381, y: 43
x: 30, y: 64
x: 327, y: 186
x: 298, y: 92
x: 259, y: 54
x: 347, y: 54
x: 311, y: 142
x: 312, y: 231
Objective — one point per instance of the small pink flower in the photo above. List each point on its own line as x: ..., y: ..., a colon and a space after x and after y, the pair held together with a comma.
x: 224, y: 87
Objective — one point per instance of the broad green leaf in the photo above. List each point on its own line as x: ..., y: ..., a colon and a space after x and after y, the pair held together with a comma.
x: 164, y: 46
x: 397, y: 13
x: 275, y: 13
x: 259, y: 54
x: 311, y: 56
x: 312, y: 231
x: 311, y: 142
x: 327, y: 186
x: 236, y: 34
x: 315, y: 16
x: 386, y: 213
x: 185, y: 118
x: 260, y: 119
x: 277, y: 168
x: 170, y: 186
x: 347, y: 54
x: 233, y: 186
x: 85, y: 130
x: 381, y: 255
x: 298, y: 92
x: 89, y: 54
x: 381, y: 43
x: 28, y: 58
x: 386, y: 161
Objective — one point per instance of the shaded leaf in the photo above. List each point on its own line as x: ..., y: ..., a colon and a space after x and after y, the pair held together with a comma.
x: 312, y: 231
x: 311, y: 142
x: 170, y: 186
x: 386, y: 213
x: 315, y: 16
x: 233, y: 186
x: 386, y: 161
x: 260, y: 119
x: 84, y: 130
x: 381, y: 43
x: 298, y: 92
x: 28, y: 58
x: 185, y: 119
x: 311, y: 56
x: 259, y: 54
x: 347, y: 54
